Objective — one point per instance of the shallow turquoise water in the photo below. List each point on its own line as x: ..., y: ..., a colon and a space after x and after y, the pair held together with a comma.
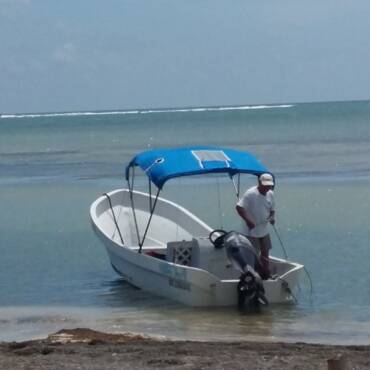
x: 54, y: 273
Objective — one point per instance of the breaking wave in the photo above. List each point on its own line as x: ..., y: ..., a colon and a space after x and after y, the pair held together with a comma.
x: 145, y: 111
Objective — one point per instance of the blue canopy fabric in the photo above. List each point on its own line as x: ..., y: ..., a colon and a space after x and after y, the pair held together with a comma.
x: 164, y: 164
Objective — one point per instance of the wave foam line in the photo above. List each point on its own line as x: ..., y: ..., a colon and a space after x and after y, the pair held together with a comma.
x: 213, y: 109
x: 67, y: 114
x: 148, y: 111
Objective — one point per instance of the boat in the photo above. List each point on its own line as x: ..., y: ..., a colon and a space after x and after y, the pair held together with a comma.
x: 159, y: 246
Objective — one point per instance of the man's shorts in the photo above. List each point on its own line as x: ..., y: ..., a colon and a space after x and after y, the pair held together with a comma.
x: 260, y: 244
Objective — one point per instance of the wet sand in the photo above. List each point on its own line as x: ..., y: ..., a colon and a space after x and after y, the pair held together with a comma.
x: 88, y: 349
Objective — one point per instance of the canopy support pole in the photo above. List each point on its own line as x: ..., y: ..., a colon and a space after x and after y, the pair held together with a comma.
x: 150, y: 195
x: 131, y: 187
x: 114, y: 218
x: 236, y: 186
x: 150, y: 219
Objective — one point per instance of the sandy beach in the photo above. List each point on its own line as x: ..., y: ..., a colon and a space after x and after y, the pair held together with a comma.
x: 88, y: 349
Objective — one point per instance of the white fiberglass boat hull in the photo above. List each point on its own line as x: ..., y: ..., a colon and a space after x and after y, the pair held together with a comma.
x: 207, y: 278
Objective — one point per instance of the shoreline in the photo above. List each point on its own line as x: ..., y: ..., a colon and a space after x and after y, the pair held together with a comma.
x: 88, y: 349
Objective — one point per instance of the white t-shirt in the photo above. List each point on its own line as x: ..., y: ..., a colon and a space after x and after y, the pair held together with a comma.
x: 258, y: 208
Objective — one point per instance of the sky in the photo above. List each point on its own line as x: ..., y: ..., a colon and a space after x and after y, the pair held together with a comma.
x: 58, y: 56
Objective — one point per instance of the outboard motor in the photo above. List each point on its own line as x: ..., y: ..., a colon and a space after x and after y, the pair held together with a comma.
x: 243, y: 256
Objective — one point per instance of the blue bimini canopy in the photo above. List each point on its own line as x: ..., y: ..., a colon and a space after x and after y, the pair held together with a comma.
x: 164, y: 164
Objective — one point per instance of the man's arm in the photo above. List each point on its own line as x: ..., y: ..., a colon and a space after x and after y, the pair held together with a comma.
x: 272, y: 210
x: 244, y: 215
x: 272, y: 217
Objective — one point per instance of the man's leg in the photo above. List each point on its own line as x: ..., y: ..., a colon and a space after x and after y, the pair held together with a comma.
x: 265, y: 246
x: 256, y: 243
x: 258, y: 246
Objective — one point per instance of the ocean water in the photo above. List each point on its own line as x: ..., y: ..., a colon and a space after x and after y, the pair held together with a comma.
x: 55, y: 274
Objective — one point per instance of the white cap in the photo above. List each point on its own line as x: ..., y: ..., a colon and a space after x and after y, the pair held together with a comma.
x: 266, y: 179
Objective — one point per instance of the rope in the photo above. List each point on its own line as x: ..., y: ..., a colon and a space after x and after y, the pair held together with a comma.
x: 114, y: 217
x: 281, y: 242
x: 286, y: 257
x: 309, y: 278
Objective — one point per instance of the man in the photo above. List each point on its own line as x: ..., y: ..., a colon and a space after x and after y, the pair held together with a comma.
x: 257, y: 208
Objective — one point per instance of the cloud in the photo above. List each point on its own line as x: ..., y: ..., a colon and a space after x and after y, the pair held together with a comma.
x: 65, y: 54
